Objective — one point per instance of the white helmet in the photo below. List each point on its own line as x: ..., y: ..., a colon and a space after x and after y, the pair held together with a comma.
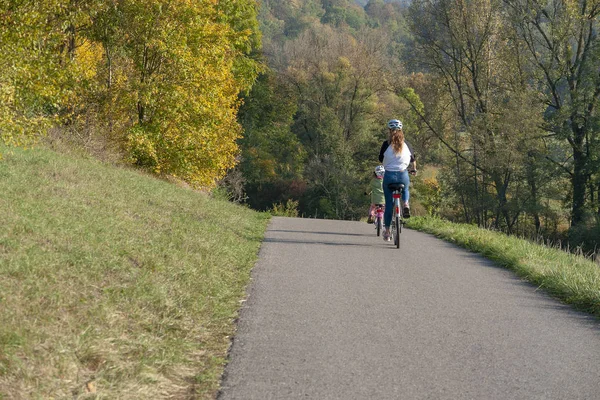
x: 379, y: 171
x: 394, y: 124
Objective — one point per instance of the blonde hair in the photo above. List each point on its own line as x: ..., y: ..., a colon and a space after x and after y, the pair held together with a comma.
x: 396, y: 140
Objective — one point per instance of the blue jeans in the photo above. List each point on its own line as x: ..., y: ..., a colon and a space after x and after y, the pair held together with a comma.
x: 393, y: 177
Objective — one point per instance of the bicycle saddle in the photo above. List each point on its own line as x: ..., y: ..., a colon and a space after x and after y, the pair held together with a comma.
x: 396, y: 186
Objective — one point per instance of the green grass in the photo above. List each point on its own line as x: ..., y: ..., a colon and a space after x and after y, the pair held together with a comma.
x: 114, y: 284
x: 570, y: 278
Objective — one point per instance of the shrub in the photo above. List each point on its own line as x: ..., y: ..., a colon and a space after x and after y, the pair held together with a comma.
x: 289, y: 209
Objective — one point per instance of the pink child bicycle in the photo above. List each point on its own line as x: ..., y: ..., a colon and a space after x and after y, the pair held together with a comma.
x: 378, y: 221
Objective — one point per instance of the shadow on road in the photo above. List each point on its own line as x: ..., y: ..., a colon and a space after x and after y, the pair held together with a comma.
x: 318, y: 242
x: 322, y: 233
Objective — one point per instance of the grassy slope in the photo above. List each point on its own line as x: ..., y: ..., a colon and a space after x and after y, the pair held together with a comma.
x: 114, y: 284
x: 572, y: 279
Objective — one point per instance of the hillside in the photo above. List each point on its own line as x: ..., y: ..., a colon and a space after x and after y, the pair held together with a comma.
x: 115, y: 283
x: 365, y: 2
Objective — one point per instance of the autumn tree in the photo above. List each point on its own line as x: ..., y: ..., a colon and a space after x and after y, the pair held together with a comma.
x: 188, y: 63
x: 38, y: 72
x: 164, y: 77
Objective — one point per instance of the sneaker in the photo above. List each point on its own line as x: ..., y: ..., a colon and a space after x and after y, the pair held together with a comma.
x: 370, y: 220
x: 406, y: 210
x: 386, y: 235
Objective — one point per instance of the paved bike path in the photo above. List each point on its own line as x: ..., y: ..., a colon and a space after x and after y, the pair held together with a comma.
x: 333, y: 312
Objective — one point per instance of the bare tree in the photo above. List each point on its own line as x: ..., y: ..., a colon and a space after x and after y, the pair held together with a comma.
x: 464, y: 46
x: 561, y: 38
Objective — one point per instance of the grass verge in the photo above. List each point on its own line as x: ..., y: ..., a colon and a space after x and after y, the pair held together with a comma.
x: 114, y: 284
x: 570, y: 278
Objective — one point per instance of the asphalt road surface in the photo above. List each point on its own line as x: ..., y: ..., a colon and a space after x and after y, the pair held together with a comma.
x: 334, y: 312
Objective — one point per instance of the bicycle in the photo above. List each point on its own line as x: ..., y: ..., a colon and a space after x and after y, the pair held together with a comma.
x: 397, y: 221
x: 379, y: 209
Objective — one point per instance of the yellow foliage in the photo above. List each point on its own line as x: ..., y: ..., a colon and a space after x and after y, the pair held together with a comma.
x: 162, y: 77
x: 344, y: 63
x: 88, y: 56
x: 430, y: 194
x: 188, y: 127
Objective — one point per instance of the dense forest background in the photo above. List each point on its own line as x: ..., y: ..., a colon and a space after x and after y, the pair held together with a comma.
x: 282, y: 105
x: 314, y: 120
x: 498, y: 98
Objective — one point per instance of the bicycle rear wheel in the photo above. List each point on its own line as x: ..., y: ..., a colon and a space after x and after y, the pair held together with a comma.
x: 397, y: 233
x: 378, y: 224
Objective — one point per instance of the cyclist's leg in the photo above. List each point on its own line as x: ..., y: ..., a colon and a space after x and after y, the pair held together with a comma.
x: 372, y: 209
x: 404, y: 178
x: 387, y: 215
x: 371, y: 213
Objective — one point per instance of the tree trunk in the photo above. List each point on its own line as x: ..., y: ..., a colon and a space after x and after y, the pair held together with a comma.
x: 501, y: 188
x: 579, y: 179
x: 598, y: 197
x: 462, y: 194
x: 532, y: 180
x: 536, y: 214
x: 141, y: 110
x: 109, y: 78
x: 72, y: 32
x: 478, y: 206
x: 140, y: 106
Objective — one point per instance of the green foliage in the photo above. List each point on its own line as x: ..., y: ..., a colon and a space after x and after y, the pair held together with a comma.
x: 429, y: 193
x: 563, y: 54
x: 269, y: 149
x: 289, y: 209
x: 474, y: 107
x: 413, y: 99
x: 343, y: 12
x: 272, y: 158
x: 585, y: 238
x: 314, y: 123
x: 337, y: 81
x: 517, y: 121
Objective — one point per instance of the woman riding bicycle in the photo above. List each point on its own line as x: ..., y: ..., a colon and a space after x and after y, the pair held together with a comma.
x: 396, y: 157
